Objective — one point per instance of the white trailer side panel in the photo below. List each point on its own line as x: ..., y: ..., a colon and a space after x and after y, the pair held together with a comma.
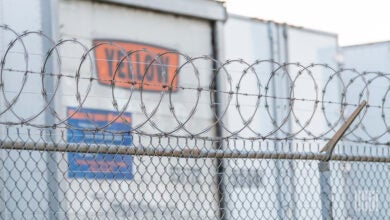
x: 22, y: 185
x: 364, y: 184
x: 160, y: 186
x: 275, y: 194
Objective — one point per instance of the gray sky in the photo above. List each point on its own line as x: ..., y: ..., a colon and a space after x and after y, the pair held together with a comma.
x: 355, y: 21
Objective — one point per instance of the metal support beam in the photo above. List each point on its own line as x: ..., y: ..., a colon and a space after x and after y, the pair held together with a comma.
x: 324, y: 166
x: 218, y: 54
x: 329, y: 147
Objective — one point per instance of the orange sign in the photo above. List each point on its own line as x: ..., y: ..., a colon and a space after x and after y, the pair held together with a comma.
x: 133, y: 69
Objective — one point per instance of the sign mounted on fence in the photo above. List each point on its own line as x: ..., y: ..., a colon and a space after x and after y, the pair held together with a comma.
x: 128, y: 62
x: 99, y: 166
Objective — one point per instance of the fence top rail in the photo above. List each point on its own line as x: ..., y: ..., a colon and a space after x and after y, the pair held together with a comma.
x: 185, y: 152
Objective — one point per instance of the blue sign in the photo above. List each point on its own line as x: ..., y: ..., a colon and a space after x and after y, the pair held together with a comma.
x: 99, y: 166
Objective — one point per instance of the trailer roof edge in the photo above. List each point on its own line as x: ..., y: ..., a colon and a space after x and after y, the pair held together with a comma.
x: 366, y: 44
x: 203, y: 9
x: 306, y: 29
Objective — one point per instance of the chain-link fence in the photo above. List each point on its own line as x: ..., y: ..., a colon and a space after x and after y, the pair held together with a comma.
x: 175, y: 178
x: 88, y: 135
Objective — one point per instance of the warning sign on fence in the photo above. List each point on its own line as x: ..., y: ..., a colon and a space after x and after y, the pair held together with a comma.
x: 99, y: 166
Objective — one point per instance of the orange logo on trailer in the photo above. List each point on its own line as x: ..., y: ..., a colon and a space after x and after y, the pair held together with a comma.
x: 133, y: 67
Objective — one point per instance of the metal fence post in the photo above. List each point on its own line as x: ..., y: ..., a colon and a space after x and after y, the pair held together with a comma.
x: 218, y: 54
x: 324, y: 168
x: 326, y: 190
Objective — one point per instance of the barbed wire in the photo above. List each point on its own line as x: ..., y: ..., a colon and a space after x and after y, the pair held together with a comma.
x: 260, y: 100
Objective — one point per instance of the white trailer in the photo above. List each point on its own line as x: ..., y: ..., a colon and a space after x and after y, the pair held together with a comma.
x: 370, y: 68
x: 159, y: 186
x: 22, y: 174
x: 360, y: 57
x: 281, y: 183
x: 154, y: 187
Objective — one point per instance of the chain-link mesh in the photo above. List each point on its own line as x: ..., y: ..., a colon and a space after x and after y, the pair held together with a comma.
x: 156, y: 178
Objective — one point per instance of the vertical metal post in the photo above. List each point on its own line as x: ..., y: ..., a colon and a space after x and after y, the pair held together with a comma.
x: 347, y: 189
x: 51, y: 157
x: 324, y: 166
x: 217, y: 42
x: 326, y: 190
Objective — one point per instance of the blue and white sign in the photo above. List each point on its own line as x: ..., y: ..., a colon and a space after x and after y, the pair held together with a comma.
x: 98, y: 166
